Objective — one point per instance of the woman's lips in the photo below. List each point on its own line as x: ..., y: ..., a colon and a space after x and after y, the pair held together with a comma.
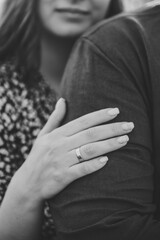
x: 74, y: 11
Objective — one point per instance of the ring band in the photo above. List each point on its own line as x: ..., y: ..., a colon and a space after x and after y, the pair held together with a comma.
x: 79, y: 156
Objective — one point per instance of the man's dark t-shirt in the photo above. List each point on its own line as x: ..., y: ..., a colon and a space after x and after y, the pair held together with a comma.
x: 117, y: 64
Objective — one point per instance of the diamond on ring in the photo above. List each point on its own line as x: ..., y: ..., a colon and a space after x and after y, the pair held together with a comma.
x: 79, y: 156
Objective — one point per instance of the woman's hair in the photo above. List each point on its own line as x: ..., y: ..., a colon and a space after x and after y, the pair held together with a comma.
x: 20, y: 31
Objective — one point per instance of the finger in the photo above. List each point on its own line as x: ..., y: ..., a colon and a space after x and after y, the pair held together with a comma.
x: 89, y: 120
x: 93, y: 150
x: 85, y: 168
x: 100, y: 133
x: 55, y: 118
x: 96, y: 149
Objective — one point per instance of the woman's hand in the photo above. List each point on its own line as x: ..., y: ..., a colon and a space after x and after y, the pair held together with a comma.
x: 53, y: 161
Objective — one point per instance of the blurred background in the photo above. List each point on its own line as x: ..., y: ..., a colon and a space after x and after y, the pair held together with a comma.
x: 130, y: 5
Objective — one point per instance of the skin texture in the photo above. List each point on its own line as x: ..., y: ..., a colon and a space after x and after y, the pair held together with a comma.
x: 60, y: 17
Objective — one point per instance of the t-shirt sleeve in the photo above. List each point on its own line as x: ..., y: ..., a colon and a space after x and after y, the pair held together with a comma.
x: 117, y: 201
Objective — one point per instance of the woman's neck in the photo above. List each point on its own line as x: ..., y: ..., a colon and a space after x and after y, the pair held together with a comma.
x: 54, y: 56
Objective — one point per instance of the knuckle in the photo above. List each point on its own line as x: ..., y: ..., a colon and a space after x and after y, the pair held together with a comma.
x: 84, y: 121
x: 59, y: 132
x: 58, y: 176
x: 85, y: 169
x: 111, y: 144
x: 88, y: 150
x: 91, y: 133
x: 114, y: 128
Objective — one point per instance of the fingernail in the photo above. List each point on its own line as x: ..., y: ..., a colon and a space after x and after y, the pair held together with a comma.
x: 60, y: 100
x: 103, y: 159
x: 128, y: 126
x: 123, y: 139
x: 113, y: 112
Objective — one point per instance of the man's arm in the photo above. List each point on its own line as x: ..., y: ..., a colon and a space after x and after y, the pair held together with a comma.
x: 116, y: 202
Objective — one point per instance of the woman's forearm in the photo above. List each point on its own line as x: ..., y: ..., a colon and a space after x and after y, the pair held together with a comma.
x: 20, y: 214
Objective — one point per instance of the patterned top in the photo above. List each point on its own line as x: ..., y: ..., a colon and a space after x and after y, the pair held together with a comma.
x: 24, y: 109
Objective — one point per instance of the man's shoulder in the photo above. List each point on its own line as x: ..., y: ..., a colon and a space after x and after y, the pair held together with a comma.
x: 125, y: 27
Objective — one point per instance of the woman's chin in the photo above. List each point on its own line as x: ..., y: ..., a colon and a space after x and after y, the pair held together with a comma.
x: 69, y: 31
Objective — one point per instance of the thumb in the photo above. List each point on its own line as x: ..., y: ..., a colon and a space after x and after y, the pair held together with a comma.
x: 55, y: 118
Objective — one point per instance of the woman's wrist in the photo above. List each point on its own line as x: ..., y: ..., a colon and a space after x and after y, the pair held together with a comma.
x: 20, y: 208
x: 20, y: 189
